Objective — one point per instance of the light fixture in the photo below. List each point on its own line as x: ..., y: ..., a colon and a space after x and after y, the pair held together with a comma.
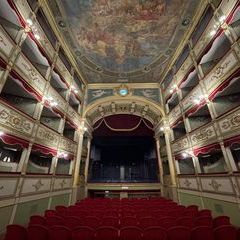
x: 29, y: 22
x: 184, y: 155
x: 213, y: 32
x: 37, y: 36
x: 1, y: 133
x: 222, y: 19
x: 124, y: 187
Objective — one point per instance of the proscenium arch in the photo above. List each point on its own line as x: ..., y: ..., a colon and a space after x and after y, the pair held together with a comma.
x: 130, y: 105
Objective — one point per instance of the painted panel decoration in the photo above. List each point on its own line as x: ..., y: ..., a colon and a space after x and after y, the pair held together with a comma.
x: 150, y: 93
x: 95, y: 94
x: 123, y: 39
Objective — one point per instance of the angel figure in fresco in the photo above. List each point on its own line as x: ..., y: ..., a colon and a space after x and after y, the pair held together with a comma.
x: 98, y: 93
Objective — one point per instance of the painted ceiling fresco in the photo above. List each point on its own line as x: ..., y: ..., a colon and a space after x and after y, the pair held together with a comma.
x: 123, y: 40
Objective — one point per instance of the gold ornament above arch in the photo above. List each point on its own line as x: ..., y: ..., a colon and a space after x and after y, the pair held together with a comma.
x: 117, y: 105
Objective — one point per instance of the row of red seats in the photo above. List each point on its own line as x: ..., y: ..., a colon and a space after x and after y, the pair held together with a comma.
x: 38, y: 232
x: 144, y: 222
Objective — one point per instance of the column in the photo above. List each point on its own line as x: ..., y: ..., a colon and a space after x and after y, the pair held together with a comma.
x: 171, y: 166
x: 170, y: 158
x: 77, y: 167
x: 87, y: 159
x: 78, y: 159
x: 159, y: 160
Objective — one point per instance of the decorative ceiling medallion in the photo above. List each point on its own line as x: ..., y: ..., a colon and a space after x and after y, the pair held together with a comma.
x: 123, y: 90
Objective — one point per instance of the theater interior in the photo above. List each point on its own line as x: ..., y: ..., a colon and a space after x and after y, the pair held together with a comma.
x: 119, y: 120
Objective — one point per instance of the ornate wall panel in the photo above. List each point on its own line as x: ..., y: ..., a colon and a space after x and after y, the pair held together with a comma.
x: 190, y: 183
x: 38, y: 184
x: 8, y: 186
x: 63, y: 70
x: 230, y: 124
x: 181, y: 144
x: 46, y: 136
x: 24, y: 8
x: 205, y: 38
x: 226, y: 6
x: 204, y: 135
x: 29, y: 73
x: 44, y: 42
x: 61, y: 183
x: 217, y: 75
x: 13, y: 120
x: 222, y: 185
x: 6, y: 44
x: 184, y: 69
x: 61, y: 102
x: 73, y: 116
x: 175, y: 114
x: 188, y: 101
x: 68, y: 145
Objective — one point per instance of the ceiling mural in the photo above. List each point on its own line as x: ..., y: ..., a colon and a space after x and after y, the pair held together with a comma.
x: 123, y: 40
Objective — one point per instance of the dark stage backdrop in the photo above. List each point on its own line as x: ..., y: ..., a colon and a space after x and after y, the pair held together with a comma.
x: 123, y: 159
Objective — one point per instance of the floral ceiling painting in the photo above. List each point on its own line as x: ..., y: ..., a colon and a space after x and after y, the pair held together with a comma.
x: 122, y: 38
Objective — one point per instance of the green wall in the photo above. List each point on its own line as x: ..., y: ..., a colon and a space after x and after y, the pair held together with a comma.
x: 27, y: 209
x: 60, y: 200
x: 5, y: 215
x: 218, y: 207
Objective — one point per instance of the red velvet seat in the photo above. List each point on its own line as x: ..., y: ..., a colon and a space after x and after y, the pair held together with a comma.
x: 190, y: 213
x: 205, y: 212
x: 37, y: 219
x: 192, y: 207
x: 225, y: 232
x: 37, y: 232
x: 49, y: 213
x: 146, y: 222
x: 154, y: 233
x: 15, y: 231
x: 238, y: 234
x: 110, y: 221
x: 167, y: 222
x: 202, y: 233
x: 54, y: 220
x: 203, y: 221
x: 221, y: 220
x: 106, y: 233
x: 59, y: 233
x: 61, y: 210
x: 110, y: 214
x: 128, y: 221
x: 72, y: 222
x: 92, y: 222
x: 185, y: 222
x: 178, y: 233
x: 130, y: 233
x: 83, y: 233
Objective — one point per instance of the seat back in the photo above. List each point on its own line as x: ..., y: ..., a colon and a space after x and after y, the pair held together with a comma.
x: 54, y: 220
x: 133, y: 233
x: 205, y: 212
x: 37, y: 232
x: 225, y: 232
x: 202, y: 233
x: 203, y: 221
x: 83, y: 233
x: 146, y: 222
x: 110, y: 221
x: 178, y: 233
x: 72, y: 222
x: 154, y: 233
x: 109, y: 233
x: 59, y: 233
x: 37, y: 219
x: 15, y: 231
x: 128, y: 221
x: 92, y: 222
x: 221, y: 220
x: 185, y: 222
